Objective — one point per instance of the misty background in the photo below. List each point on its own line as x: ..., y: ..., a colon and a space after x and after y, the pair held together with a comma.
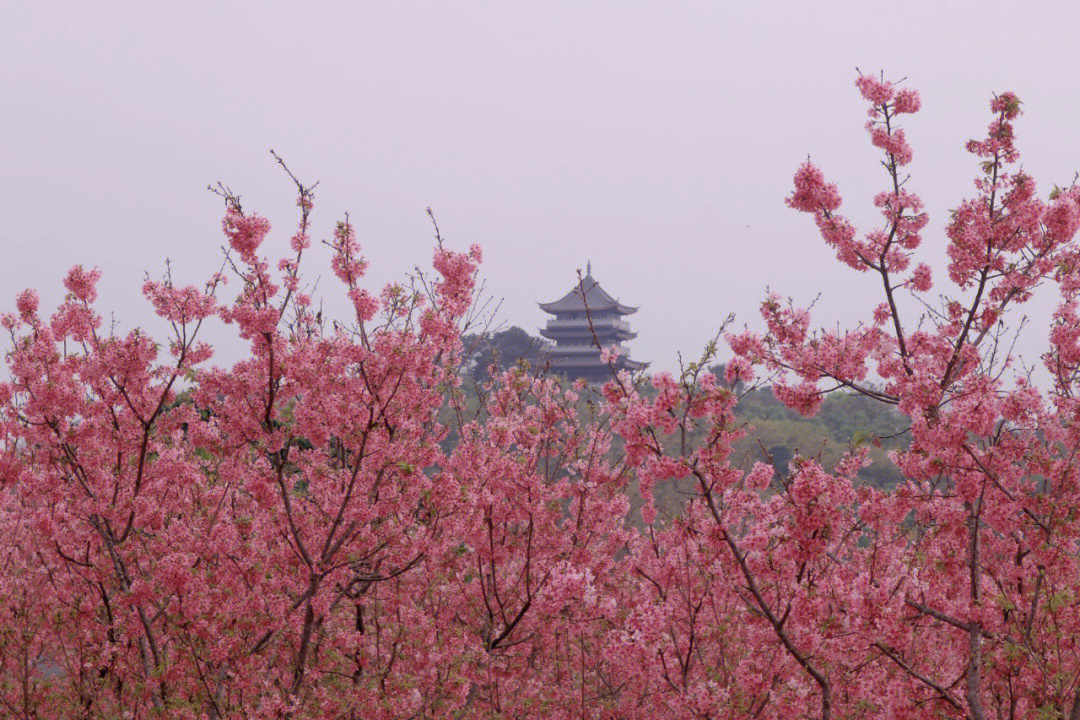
x: 656, y: 140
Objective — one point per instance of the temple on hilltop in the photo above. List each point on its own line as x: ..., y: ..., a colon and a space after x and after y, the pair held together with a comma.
x: 577, y: 345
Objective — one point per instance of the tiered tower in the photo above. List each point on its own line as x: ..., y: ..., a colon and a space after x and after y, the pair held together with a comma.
x: 576, y: 353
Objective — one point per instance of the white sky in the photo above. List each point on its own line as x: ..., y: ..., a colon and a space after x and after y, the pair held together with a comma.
x: 657, y: 140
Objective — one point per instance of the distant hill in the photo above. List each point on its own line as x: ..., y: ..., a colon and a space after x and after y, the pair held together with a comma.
x: 778, y: 434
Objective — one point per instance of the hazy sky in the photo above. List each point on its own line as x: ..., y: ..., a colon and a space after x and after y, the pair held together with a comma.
x: 658, y: 140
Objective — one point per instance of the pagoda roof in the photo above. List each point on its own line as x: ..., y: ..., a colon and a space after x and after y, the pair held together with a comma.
x: 587, y: 294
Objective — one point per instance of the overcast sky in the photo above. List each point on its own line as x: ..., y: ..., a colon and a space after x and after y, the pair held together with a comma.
x: 656, y: 140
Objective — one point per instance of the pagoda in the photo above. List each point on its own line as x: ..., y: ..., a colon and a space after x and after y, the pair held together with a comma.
x: 586, y: 320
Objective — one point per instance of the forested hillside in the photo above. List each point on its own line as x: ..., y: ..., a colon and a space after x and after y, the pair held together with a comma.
x: 775, y: 433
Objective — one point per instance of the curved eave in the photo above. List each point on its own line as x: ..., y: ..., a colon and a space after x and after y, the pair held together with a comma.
x: 587, y: 334
x: 596, y: 364
x: 560, y: 307
x: 577, y: 306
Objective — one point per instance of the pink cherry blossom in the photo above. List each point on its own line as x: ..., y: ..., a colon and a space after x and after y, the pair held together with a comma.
x: 335, y: 526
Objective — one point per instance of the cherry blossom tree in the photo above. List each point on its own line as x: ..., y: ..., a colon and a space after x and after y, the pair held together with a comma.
x: 813, y: 595
x: 970, y: 563
x: 331, y: 527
